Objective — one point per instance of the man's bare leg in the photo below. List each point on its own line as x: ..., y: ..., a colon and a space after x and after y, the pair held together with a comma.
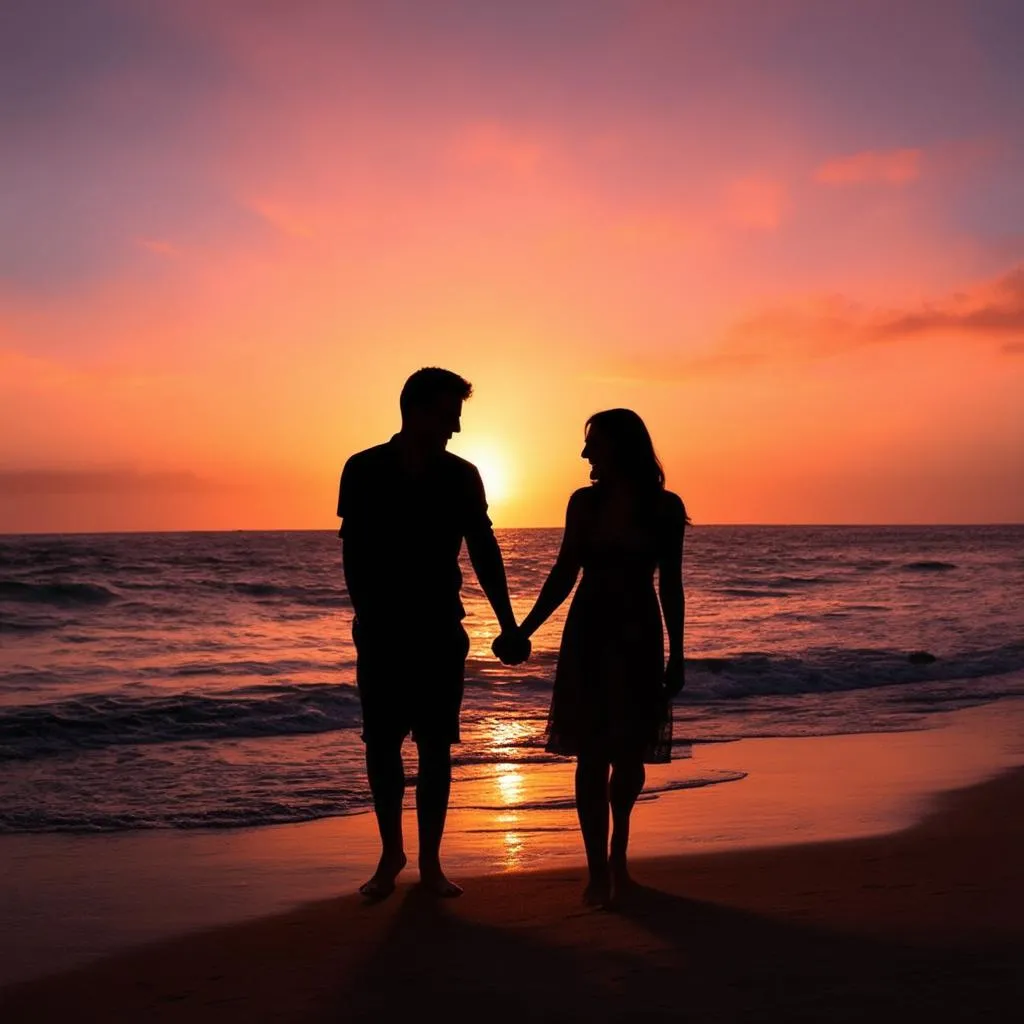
x: 433, y: 787
x: 386, y: 774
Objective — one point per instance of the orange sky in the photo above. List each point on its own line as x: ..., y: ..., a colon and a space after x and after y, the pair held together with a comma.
x: 791, y: 238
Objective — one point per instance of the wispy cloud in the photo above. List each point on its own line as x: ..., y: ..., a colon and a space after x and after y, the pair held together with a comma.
x: 282, y: 216
x: 23, y: 372
x: 489, y: 145
x: 757, y: 203
x: 22, y: 482
x: 993, y: 309
x: 889, y: 167
x: 826, y: 326
x: 160, y: 247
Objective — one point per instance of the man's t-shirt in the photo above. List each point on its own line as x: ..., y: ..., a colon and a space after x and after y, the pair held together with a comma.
x: 403, y: 533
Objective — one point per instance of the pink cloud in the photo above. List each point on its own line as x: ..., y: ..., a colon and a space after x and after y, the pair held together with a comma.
x: 892, y: 167
x: 492, y: 146
x: 827, y: 326
x: 281, y: 216
x: 757, y: 203
x: 22, y: 371
x: 160, y: 247
x: 991, y: 309
x: 25, y: 372
x: 988, y: 310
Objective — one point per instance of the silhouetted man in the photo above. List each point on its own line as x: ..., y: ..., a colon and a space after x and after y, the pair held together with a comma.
x: 406, y: 507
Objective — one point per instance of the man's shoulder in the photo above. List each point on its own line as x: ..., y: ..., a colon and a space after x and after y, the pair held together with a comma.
x: 458, y: 466
x: 369, y: 458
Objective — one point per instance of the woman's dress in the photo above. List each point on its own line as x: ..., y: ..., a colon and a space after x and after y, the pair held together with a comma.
x: 609, y: 697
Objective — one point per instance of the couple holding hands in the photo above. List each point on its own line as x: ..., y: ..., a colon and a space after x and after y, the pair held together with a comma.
x: 406, y: 508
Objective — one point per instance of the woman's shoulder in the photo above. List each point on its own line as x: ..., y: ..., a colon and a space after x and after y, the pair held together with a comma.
x: 672, y: 509
x: 580, y: 507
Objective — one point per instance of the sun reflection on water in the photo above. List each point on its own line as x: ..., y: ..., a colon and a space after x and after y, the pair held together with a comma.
x: 513, y: 850
x: 505, y: 735
x: 509, y: 780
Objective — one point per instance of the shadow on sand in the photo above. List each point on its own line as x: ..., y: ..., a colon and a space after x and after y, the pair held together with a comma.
x: 664, y: 957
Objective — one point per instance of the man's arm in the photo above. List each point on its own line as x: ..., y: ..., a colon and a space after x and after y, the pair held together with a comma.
x: 512, y: 645
x: 353, y: 568
x: 489, y: 567
x: 485, y: 555
x: 353, y: 561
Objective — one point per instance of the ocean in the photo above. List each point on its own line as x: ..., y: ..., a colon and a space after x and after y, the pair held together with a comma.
x: 207, y: 680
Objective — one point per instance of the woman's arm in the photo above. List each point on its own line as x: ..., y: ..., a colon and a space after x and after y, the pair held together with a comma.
x: 566, y: 569
x: 670, y: 591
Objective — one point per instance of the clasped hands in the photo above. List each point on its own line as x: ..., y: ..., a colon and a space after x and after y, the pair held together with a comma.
x: 512, y: 646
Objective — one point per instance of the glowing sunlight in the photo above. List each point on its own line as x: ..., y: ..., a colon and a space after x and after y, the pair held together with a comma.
x: 491, y: 460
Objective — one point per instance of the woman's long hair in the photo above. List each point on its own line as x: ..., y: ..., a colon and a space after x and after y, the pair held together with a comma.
x: 630, y: 441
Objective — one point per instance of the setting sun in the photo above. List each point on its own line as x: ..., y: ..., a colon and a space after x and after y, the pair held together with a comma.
x: 317, y: 604
x: 494, y: 468
x: 817, y: 314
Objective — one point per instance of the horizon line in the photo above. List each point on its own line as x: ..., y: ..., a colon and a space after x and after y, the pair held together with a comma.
x: 559, y: 526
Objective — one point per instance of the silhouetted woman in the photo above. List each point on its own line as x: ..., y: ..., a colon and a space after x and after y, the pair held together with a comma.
x: 611, y: 703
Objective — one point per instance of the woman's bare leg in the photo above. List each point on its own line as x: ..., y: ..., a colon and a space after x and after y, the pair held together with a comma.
x: 592, y: 811
x: 627, y: 782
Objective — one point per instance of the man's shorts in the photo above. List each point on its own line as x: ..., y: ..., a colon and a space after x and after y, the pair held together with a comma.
x: 410, y: 680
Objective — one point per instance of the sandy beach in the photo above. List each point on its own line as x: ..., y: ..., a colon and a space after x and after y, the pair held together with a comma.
x: 921, y: 921
x: 923, y: 924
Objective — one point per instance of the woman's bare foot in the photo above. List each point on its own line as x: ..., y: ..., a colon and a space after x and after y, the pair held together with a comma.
x: 437, y: 883
x: 382, y: 884
x: 598, y: 891
x: 621, y: 880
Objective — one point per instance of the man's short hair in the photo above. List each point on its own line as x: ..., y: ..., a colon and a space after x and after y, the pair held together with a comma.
x: 425, y: 386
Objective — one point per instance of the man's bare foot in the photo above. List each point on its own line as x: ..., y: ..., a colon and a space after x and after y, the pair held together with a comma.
x: 382, y: 884
x: 437, y: 883
x: 598, y: 892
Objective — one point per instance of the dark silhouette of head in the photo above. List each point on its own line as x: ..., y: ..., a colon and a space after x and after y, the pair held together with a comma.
x: 431, y: 404
x: 619, y: 449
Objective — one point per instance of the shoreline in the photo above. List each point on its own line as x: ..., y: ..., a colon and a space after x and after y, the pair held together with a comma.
x: 927, y: 920
x: 71, y: 900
